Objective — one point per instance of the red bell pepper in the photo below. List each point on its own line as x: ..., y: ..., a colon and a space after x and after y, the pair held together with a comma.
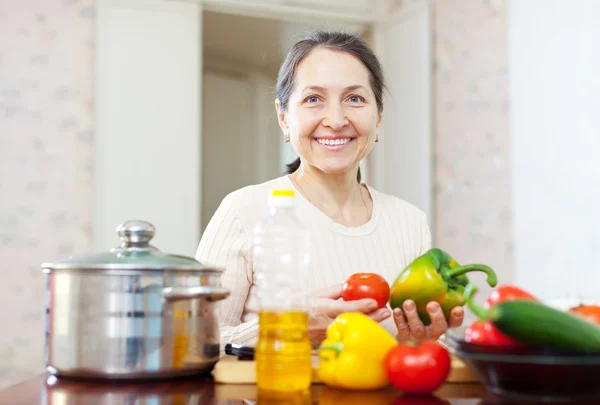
x: 484, y: 332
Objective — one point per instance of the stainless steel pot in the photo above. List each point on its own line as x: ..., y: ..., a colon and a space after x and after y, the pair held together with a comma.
x: 132, y: 312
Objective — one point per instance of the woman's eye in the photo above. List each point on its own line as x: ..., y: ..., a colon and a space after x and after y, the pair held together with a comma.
x: 356, y: 99
x: 312, y: 99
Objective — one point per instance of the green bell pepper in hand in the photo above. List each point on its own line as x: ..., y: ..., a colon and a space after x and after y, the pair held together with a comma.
x: 435, y: 276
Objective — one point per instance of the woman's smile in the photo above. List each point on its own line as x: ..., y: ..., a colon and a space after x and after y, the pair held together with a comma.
x: 333, y: 144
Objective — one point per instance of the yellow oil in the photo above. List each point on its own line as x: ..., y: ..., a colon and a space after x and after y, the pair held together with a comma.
x: 283, y: 352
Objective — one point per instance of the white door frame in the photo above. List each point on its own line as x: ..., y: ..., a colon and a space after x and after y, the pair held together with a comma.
x: 148, y: 151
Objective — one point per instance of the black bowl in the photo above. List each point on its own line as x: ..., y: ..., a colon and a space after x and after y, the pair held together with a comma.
x: 529, y: 374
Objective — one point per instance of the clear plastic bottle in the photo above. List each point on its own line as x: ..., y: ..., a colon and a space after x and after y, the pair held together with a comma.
x: 281, y: 254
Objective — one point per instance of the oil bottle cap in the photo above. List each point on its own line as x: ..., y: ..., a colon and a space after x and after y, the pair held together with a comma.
x: 282, y: 193
x: 282, y: 198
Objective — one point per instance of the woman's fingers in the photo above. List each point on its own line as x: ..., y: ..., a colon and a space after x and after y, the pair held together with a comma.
x: 324, y: 310
x: 456, y: 317
x: 410, y: 325
x: 438, y: 320
x: 417, y: 328
x: 380, y: 314
x: 365, y: 305
x: 401, y: 324
x: 317, y: 327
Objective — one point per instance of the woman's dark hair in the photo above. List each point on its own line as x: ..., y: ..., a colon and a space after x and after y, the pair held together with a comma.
x: 337, y: 41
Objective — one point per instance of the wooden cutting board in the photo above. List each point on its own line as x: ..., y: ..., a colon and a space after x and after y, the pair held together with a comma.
x: 231, y: 370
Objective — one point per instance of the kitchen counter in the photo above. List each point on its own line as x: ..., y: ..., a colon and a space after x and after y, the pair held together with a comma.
x: 47, y: 390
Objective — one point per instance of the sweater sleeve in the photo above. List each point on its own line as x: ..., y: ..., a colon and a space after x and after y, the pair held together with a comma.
x: 226, y: 244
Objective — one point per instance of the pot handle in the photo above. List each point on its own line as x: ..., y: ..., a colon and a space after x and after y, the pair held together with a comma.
x: 188, y: 293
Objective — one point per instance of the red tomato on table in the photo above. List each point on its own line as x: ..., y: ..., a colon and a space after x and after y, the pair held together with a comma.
x: 507, y: 293
x: 484, y: 332
x: 418, y: 368
x: 366, y: 285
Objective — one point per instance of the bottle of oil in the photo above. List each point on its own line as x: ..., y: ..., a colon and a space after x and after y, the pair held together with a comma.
x: 281, y: 254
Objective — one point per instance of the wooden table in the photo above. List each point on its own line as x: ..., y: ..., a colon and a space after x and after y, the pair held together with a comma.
x: 47, y: 390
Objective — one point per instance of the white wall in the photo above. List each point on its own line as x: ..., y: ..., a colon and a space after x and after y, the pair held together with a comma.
x: 148, y: 115
x: 400, y: 163
x: 555, y: 108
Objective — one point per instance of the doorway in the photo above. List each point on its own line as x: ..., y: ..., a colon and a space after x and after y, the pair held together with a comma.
x: 153, y: 152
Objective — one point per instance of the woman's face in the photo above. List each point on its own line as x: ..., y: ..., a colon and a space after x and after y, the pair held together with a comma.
x: 332, y: 116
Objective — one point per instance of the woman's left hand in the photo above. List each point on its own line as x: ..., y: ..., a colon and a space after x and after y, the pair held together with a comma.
x: 410, y: 326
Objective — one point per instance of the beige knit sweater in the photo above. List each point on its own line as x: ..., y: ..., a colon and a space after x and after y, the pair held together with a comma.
x: 395, y: 235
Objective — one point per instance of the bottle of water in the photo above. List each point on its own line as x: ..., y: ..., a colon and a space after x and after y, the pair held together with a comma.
x: 281, y: 254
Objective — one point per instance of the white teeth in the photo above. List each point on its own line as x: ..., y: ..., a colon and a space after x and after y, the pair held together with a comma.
x: 333, y: 142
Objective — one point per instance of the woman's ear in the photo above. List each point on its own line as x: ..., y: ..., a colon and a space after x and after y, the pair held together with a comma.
x: 281, y: 118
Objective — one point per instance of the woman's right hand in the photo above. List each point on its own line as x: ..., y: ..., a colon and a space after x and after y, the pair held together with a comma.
x: 326, y: 305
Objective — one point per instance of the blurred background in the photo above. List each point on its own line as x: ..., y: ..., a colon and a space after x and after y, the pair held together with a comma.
x: 156, y: 109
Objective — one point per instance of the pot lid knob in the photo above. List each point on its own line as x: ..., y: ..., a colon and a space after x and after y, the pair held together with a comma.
x: 136, y: 233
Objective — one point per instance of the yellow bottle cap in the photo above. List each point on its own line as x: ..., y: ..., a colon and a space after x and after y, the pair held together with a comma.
x: 282, y: 193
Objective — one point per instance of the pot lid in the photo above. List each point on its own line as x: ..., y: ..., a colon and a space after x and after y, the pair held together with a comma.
x: 135, y: 253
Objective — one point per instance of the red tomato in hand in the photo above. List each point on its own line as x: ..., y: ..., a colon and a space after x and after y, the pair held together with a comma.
x: 417, y: 369
x: 507, y: 293
x: 366, y: 285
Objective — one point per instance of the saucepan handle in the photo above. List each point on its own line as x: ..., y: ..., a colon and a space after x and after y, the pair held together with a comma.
x: 188, y: 293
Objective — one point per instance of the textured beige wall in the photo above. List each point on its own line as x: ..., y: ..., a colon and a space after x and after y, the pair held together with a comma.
x: 46, y: 162
x: 472, y: 145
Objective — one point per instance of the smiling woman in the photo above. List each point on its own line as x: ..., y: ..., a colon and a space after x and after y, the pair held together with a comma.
x: 329, y: 106
x: 335, y: 61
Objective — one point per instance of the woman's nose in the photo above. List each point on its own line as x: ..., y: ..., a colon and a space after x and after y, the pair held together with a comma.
x: 335, y: 117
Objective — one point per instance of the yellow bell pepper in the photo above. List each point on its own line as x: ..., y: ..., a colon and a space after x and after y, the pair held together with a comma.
x: 353, y: 353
